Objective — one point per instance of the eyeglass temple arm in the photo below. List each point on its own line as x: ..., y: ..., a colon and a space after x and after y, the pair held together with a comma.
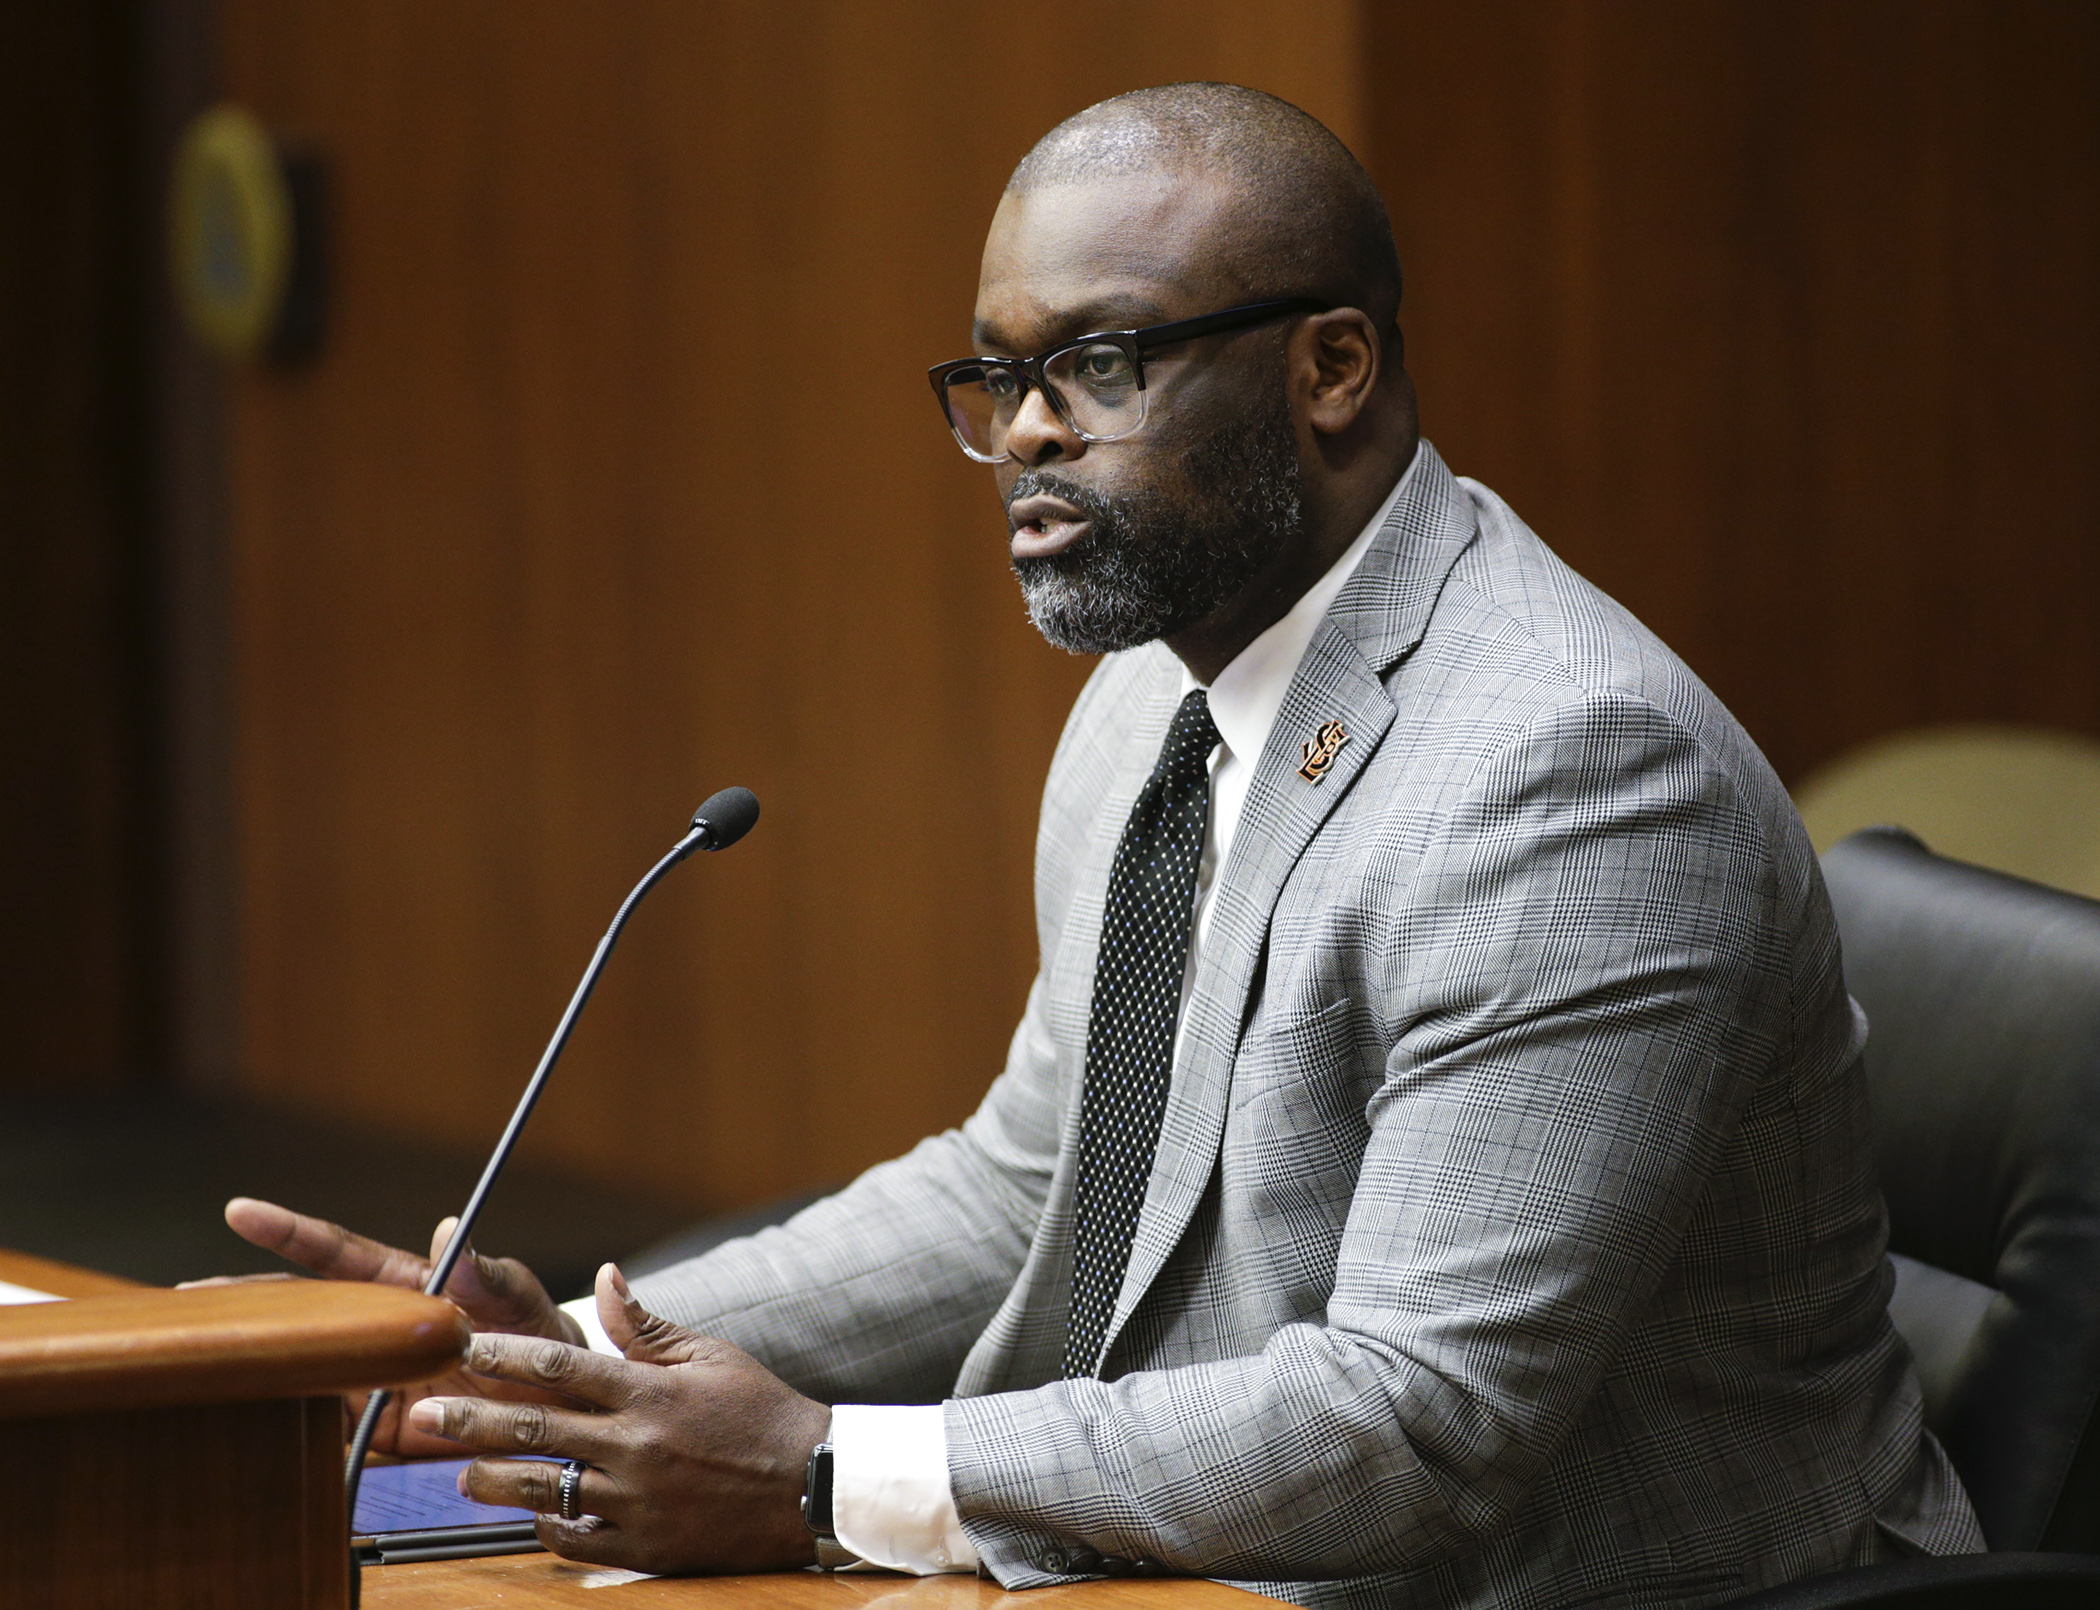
x: 1233, y: 318
x: 1157, y: 335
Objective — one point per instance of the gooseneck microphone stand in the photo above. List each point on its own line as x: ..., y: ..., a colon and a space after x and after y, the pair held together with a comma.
x: 725, y: 818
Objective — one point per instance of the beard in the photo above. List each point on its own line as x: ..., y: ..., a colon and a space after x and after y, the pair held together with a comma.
x: 1152, y: 564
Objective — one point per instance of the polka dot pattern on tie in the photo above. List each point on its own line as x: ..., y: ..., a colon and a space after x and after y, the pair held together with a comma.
x: 1130, y: 1032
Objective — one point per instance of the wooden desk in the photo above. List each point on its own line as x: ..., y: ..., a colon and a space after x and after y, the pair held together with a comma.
x: 532, y: 1581
x: 183, y: 1450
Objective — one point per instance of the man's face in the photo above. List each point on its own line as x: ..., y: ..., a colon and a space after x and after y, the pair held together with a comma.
x: 1118, y: 543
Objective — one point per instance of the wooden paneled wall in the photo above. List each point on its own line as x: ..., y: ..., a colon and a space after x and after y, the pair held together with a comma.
x: 618, y: 481
x: 78, y: 909
x: 1777, y: 318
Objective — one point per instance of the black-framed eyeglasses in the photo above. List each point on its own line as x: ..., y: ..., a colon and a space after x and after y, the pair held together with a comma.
x: 1094, y: 383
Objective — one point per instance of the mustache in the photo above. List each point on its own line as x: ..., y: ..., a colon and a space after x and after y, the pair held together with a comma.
x: 1045, y: 483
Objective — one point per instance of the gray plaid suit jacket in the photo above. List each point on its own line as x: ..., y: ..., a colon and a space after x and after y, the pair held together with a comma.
x: 1512, y: 1238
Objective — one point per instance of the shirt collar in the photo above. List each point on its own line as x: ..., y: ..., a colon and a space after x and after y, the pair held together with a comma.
x: 1249, y: 692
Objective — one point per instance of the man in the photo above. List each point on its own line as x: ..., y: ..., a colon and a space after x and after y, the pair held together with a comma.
x: 1433, y: 1166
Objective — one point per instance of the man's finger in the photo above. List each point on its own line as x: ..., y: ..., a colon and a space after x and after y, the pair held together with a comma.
x: 235, y: 1280
x: 644, y: 1337
x: 327, y: 1249
x: 534, y: 1484
x: 574, y: 1372
x: 500, y: 1292
x: 590, y: 1541
x: 497, y: 1427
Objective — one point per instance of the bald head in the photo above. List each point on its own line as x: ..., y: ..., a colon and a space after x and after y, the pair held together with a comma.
x: 1254, y: 454
x: 1302, y: 218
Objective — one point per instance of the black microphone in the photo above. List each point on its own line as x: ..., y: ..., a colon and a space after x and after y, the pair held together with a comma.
x: 725, y: 818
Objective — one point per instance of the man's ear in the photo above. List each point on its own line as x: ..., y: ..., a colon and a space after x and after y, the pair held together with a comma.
x: 1341, y: 351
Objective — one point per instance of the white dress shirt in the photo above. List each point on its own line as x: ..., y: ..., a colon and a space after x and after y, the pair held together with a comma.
x: 890, y: 1500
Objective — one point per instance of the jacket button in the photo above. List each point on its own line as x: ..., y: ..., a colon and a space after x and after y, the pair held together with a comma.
x: 1054, y: 1561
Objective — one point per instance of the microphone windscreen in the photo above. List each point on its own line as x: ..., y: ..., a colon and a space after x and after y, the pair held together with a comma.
x: 727, y: 816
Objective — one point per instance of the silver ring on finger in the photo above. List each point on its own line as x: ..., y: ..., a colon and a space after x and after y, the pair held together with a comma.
x: 572, y: 1490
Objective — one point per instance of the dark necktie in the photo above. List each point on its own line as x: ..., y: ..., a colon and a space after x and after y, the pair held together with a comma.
x: 1130, y: 1034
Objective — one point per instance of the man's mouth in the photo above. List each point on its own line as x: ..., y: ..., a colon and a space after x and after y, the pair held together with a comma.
x: 1044, y: 525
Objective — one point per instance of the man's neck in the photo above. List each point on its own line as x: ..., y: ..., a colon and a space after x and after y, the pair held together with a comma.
x: 1214, y: 642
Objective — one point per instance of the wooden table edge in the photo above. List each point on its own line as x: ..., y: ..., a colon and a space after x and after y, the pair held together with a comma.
x: 61, y: 1279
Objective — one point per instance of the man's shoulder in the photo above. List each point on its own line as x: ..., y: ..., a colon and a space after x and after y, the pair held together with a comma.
x: 1522, y: 674
x: 1519, y: 635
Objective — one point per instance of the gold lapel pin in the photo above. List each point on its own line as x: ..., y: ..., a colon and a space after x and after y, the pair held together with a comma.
x: 1320, y: 749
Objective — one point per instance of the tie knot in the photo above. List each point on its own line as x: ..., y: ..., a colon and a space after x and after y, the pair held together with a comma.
x: 1192, y: 735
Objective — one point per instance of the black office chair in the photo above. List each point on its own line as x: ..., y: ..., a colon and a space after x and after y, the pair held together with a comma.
x: 1983, y: 995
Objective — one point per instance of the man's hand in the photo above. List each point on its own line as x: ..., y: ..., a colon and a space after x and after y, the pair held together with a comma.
x: 496, y: 1294
x: 696, y: 1451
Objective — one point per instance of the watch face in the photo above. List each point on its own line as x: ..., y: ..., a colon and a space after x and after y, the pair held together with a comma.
x: 816, y: 1492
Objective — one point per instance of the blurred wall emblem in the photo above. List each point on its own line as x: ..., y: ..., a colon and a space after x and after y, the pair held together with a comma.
x: 244, y: 239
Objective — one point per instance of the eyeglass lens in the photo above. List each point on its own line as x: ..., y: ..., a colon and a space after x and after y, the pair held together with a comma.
x: 1094, y: 389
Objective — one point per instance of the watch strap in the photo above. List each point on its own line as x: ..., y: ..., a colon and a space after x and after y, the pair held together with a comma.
x: 832, y: 1555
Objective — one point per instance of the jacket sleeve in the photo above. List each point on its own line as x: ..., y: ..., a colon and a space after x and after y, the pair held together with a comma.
x: 1589, y: 979
x: 875, y: 1294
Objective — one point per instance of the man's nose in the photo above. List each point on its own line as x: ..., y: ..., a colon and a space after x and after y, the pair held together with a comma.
x: 1037, y: 435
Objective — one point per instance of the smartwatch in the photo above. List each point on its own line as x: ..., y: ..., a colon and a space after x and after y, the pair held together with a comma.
x: 816, y: 1493
x: 816, y: 1511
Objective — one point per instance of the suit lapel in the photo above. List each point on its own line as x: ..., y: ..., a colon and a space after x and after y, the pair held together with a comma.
x: 1379, y: 616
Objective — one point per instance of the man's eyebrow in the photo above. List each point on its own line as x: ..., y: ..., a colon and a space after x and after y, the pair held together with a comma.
x: 1108, y: 313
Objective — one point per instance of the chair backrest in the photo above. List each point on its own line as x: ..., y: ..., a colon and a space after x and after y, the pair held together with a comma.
x: 2024, y: 800
x: 1982, y: 993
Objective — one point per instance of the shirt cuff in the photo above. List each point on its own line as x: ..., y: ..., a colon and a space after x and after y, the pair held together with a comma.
x: 584, y: 1310
x: 890, y: 1500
